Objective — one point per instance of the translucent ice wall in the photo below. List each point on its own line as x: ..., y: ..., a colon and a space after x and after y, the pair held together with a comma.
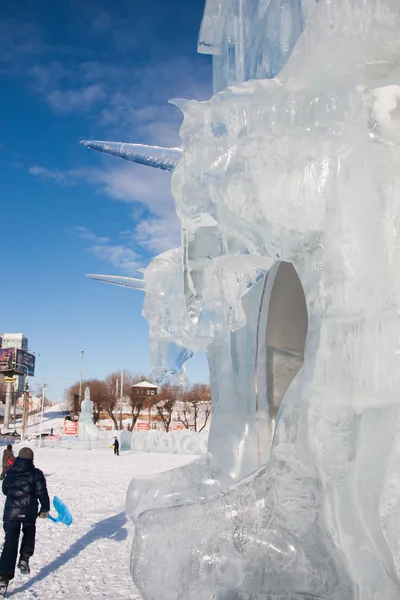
x: 301, y: 169
x: 251, y: 39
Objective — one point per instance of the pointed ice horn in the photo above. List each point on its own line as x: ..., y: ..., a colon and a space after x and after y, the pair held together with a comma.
x: 151, y: 156
x: 181, y: 103
x: 128, y: 282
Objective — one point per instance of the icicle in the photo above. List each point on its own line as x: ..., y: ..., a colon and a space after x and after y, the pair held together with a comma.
x: 151, y: 156
x: 129, y: 282
x: 180, y: 103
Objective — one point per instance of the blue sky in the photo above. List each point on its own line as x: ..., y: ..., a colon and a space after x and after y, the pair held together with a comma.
x: 72, y: 70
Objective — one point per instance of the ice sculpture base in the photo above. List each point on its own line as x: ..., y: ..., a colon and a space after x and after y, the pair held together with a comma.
x: 88, y: 432
x: 196, y: 481
x: 241, y: 543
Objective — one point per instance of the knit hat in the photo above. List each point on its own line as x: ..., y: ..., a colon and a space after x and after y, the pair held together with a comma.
x: 26, y: 453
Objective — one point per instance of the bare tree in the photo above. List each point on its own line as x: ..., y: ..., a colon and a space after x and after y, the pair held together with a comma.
x: 193, y: 403
x: 195, y: 407
x: 113, y: 399
x: 185, y: 413
x: 164, y: 411
x: 98, y: 394
x: 166, y: 400
x: 136, y: 403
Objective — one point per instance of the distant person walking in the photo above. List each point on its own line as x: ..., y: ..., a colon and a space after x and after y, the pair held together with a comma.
x: 116, y: 446
x: 8, y: 460
x: 25, y: 487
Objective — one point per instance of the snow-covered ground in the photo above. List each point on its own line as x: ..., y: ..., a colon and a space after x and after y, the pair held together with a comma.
x: 90, y: 559
x: 53, y: 418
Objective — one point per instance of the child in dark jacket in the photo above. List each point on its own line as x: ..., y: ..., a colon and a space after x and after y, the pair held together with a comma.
x: 25, y: 486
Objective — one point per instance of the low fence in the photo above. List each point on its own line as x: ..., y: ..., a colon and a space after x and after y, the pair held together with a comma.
x: 4, y: 441
x: 182, y: 441
x: 70, y: 442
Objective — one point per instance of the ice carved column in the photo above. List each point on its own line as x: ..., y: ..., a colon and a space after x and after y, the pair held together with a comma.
x: 233, y: 439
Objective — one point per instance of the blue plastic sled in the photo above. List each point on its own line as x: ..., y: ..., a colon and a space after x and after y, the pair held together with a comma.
x: 63, y: 514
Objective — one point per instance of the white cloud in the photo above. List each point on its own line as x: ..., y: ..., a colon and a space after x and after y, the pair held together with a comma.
x: 124, y: 182
x: 132, y: 183
x: 45, y: 77
x: 128, y: 101
x: 158, y: 235
x: 117, y: 102
x: 147, y: 189
x: 130, y: 105
x: 83, y: 98
x: 120, y: 256
x: 124, y: 103
x: 84, y: 233
x: 101, y: 21
x: 54, y: 175
x: 18, y: 39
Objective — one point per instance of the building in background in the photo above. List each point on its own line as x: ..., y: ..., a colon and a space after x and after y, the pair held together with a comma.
x: 16, y: 340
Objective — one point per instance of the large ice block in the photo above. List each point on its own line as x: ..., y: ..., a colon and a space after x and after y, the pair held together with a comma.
x: 288, y: 192
x: 250, y: 39
x: 301, y: 169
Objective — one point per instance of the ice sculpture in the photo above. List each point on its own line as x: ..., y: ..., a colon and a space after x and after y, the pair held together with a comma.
x: 290, y: 182
x: 87, y: 430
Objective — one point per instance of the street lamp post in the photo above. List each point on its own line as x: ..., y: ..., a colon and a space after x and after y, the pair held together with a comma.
x: 15, y: 394
x: 80, y: 375
x: 121, y: 400
x: 25, y: 409
x: 41, y: 415
x: 9, y: 381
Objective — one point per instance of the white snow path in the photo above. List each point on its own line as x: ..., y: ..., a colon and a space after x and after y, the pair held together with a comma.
x: 90, y: 559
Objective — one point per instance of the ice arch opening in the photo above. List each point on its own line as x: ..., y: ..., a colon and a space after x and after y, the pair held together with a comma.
x: 281, y: 337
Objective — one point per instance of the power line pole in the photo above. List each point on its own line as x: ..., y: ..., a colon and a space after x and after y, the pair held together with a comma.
x: 9, y: 381
x: 149, y: 397
x: 116, y: 396
x: 80, y: 375
x: 41, y: 414
x: 25, y: 410
x: 122, y: 396
x: 15, y: 394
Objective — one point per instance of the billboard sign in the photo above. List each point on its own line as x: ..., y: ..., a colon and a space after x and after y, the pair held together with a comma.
x: 6, y: 359
x: 24, y: 362
x: 140, y: 426
x: 71, y: 428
